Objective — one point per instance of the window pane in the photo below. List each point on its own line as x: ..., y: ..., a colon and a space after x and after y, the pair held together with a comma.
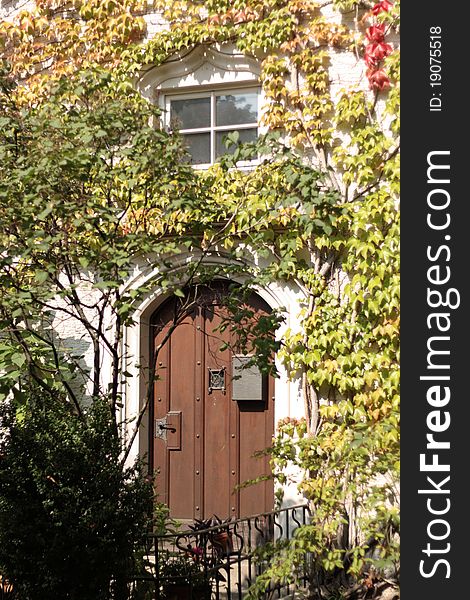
x: 199, y: 147
x: 190, y: 113
x: 235, y: 109
x: 246, y: 135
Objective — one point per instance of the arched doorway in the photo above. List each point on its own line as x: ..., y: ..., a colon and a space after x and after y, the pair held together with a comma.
x: 206, y: 424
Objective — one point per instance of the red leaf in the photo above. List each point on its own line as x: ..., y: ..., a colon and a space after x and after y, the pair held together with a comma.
x: 383, y: 6
x: 378, y: 79
x: 377, y: 52
x: 376, y: 33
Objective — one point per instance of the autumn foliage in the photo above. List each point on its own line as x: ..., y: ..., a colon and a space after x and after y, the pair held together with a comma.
x: 321, y: 210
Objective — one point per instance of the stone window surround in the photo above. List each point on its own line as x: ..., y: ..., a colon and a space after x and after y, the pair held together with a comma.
x: 200, y: 71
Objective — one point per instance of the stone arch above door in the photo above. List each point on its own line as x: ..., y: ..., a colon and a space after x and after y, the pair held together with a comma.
x: 136, y: 347
x: 205, y: 426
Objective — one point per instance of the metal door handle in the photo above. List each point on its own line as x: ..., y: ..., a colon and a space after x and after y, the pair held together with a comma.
x: 174, y: 427
x: 168, y: 427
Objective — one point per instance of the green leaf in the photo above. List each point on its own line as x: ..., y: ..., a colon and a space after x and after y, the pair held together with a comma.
x: 84, y: 261
x: 18, y: 359
x: 41, y: 276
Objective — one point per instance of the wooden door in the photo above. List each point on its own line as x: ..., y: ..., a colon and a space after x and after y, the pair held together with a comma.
x: 206, y: 424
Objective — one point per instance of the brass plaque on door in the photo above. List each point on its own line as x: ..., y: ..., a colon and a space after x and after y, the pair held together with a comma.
x: 247, y: 381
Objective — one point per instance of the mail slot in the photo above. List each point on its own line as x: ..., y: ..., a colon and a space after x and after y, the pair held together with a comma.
x: 247, y: 381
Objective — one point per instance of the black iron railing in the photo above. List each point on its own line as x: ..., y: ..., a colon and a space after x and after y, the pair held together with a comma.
x: 6, y: 589
x: 219, y: 562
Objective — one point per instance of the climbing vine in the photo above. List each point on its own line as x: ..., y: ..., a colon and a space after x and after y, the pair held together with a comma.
x: 323, y: 209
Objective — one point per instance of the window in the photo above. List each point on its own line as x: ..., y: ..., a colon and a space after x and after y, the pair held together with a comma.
x: 205, y: 118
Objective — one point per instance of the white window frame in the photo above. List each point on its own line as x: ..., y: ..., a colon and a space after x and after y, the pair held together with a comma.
x: 213, y: 129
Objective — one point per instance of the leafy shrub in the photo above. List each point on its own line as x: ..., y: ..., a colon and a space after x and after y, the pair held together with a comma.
x: 71, y: 516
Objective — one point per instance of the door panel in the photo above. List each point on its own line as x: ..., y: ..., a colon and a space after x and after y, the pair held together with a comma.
x: 174, y: 391
x: 218, y: 422
x: 209, y: 447
x: 253, y: 419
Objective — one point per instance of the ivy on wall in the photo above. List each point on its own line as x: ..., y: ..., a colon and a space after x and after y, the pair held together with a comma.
x: 323, y: 209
